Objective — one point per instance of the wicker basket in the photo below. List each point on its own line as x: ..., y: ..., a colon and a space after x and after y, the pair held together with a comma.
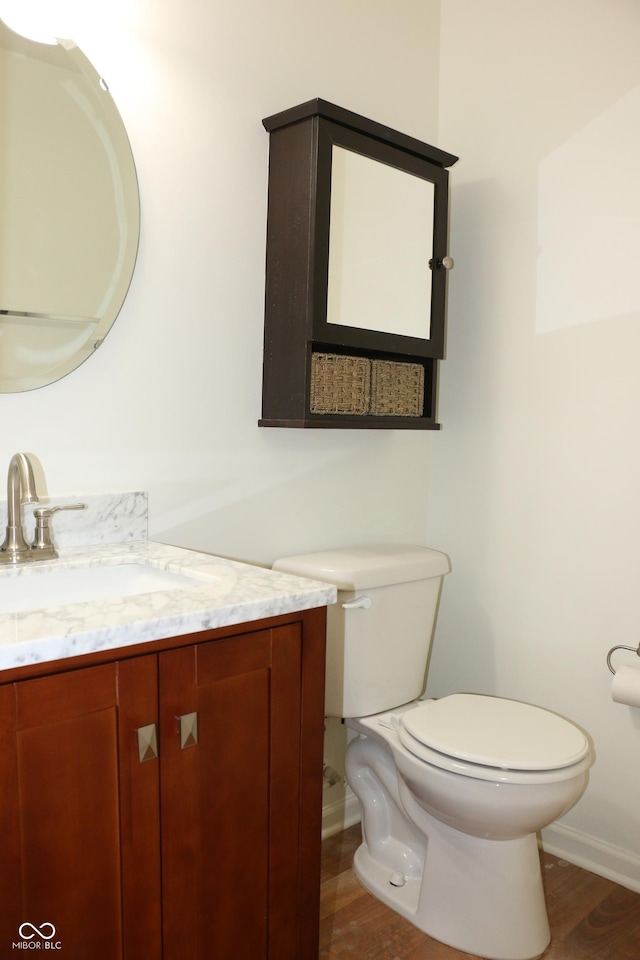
x: 340, y: 384
x: 397, y: 389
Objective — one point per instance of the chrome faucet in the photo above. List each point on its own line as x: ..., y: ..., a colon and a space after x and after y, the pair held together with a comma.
x: 21, y: 488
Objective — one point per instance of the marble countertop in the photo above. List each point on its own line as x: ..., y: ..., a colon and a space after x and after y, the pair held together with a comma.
x: 222, y: 592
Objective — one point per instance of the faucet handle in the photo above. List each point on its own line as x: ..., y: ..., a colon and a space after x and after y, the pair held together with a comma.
x: 42, y: 542
x: 45, y: 512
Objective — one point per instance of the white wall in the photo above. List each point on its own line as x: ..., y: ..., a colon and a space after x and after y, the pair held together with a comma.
x: 534, y: 486
x: 170, y: 402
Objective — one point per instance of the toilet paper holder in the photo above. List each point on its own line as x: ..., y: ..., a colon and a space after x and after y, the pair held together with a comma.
x: 620, y: 646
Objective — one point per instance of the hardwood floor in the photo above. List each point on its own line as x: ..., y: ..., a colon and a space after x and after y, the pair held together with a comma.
x: 591, y: 918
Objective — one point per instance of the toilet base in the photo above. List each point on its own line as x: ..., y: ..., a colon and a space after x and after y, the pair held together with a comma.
x: 483, y: 897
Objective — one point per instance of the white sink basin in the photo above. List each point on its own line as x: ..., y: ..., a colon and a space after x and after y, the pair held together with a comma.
x: 33, y: 589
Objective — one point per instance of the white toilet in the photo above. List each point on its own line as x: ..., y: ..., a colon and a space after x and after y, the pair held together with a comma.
x: 452, y: 791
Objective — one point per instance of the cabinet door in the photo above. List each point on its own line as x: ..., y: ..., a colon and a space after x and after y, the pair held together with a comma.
x: 231, y: 796
x: 79, y: 814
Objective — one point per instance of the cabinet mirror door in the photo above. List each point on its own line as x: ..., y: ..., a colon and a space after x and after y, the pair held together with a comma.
x: 381, y: 235
x: 380, y: 246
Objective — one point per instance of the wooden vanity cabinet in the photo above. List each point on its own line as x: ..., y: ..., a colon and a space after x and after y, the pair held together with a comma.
x: 209, y: 849
x: 79, y: 819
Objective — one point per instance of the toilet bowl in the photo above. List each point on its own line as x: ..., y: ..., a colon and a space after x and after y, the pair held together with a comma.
x: 452, y: 791
x: 449, y: 834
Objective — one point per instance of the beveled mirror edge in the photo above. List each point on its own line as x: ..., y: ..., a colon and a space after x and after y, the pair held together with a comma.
x: 122, y: 159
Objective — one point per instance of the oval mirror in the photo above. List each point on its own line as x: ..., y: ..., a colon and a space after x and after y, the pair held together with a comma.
x: 69, y: 211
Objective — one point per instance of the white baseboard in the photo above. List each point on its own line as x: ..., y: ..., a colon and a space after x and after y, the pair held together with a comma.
x: 599, y: 857
x: 340, y: 814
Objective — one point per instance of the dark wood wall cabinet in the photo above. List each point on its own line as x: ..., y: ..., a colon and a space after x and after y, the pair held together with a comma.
x: 356, y: 272
x: 166, y: 805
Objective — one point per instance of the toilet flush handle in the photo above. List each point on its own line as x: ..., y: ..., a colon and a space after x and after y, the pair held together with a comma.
x: 358, y: 603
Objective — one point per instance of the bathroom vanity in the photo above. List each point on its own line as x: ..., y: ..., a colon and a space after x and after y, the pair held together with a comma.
x: 160, y: 771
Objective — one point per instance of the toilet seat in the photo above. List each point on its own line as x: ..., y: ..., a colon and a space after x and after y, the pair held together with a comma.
x: 490, y: 738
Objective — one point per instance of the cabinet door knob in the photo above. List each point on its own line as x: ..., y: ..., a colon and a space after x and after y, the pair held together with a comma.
x: 446, y: 262
x: 188, y: 730
x: 147, y: 743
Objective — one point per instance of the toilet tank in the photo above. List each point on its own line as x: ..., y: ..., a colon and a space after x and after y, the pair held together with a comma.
x: 379, y: 632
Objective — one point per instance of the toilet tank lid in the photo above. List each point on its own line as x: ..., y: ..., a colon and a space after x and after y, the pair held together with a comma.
x: 357, y: 568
